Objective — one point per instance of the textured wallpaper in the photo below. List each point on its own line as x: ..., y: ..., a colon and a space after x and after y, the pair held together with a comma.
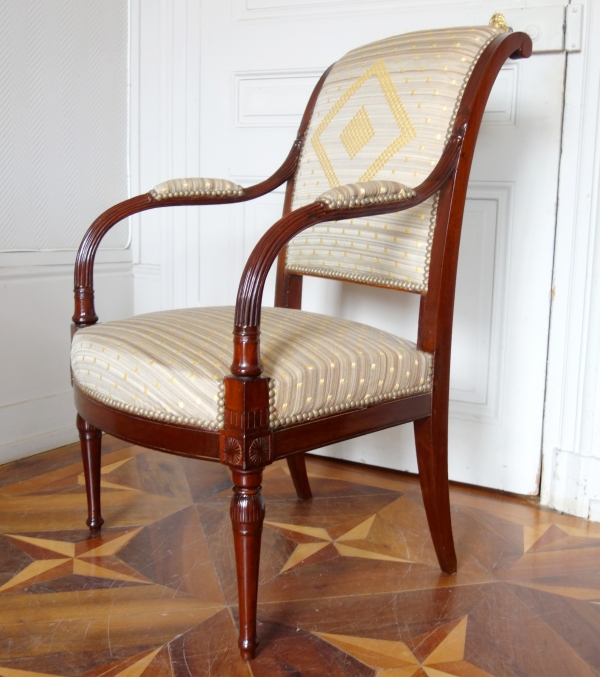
x: 63, y: 120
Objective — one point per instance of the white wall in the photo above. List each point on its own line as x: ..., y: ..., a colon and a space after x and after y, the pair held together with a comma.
x: 166, y: 114
x: 63, y: 160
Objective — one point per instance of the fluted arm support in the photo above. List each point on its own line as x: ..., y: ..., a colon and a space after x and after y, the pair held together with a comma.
x: 198, y: 192
x: 174, y: 193
x: 361, y: 199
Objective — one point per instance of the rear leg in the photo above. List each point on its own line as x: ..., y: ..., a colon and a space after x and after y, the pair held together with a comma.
x: 297, y: 466
x: 91, y: 442
x: 431, y: 438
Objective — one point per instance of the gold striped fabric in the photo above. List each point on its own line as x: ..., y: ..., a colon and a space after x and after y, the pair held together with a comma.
x: 171, y: 365
x: 384, y: 113
x: 365, y: 193
x: 181, y: 187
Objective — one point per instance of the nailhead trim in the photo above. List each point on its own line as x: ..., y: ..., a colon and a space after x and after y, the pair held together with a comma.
x: 196, y: 187
x: 274, y: 420
x: 356, y: 404
x: 157, y: 415
x: 365, y: 193
x: 461, y: 91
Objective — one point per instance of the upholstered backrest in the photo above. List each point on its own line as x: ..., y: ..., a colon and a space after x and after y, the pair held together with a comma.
x: 385, y: 112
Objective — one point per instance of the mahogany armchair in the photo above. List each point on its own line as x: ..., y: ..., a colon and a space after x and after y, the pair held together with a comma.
x: 376, y: 185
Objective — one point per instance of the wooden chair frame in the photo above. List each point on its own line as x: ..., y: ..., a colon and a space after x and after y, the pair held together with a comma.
x: 247, y: 443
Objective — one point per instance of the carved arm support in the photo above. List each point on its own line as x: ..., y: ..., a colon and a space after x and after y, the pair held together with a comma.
x: 174, y: 193
x: 361, y: 199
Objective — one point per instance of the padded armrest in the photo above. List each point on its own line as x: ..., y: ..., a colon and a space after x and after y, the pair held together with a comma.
x: 182, y: 187
x: 365, y: 193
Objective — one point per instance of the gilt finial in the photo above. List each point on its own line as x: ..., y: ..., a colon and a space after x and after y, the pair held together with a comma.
x: 498, y: 21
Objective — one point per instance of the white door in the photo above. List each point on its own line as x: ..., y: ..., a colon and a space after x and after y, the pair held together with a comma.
x: 259, y: 62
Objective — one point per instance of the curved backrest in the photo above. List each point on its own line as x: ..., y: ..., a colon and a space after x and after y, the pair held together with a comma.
x: 385, y: 112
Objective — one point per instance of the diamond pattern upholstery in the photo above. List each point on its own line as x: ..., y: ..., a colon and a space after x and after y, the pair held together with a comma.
x: 384, y: 113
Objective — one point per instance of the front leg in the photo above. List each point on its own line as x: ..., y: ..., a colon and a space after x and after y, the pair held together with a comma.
x: 247, y: 515
x: 247, y: 447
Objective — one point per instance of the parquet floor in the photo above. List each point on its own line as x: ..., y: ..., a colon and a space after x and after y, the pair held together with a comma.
x: 349, y: 581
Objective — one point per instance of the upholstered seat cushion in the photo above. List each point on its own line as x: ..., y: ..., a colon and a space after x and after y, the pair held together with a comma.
x: 171, y: 365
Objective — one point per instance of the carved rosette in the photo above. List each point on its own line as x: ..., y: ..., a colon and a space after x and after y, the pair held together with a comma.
x: 246, y: 454
x: 246, y: 437
x: 260, y: 451
x: 231, y: 451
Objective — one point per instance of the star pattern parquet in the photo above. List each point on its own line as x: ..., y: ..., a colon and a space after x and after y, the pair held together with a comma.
x: 349, y: 582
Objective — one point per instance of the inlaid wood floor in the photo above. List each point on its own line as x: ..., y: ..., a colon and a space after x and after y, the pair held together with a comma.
x: 349, y: 581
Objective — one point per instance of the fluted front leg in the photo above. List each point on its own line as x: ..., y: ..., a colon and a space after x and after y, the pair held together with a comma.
x: 91, y: 441
x: 247, y: 515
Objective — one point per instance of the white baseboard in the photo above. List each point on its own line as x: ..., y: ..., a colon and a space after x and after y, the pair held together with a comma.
x: 37, y: 425
x: 572, y: 484
x: 38, y: 444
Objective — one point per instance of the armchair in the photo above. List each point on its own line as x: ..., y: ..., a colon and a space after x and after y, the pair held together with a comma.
x: 376, y: 186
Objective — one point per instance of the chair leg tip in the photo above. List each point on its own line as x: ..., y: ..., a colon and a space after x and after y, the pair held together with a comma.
x: 248, y: 649
x: 449, y: 565
x: 95, y: 525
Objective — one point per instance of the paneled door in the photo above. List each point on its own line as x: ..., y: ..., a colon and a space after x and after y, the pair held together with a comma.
x: 259, y: 62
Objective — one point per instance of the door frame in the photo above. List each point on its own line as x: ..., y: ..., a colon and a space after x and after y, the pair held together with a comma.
x: 571, y: 448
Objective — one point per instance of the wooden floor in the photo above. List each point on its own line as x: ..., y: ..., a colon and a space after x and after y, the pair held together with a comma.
x: 349, y: 581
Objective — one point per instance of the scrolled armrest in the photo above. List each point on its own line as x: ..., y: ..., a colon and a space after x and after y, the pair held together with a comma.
x: 365, y: 193
x: 196, y: 186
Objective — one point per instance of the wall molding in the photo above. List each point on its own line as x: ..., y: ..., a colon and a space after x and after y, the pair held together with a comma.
x: 249, y: 10
x: 490, y: 410
x: 62, y: 257
x: 164, y: 144
x: 501, y: 108
x: 257, y: 96
x: 37, y: 273
x: 252, y: 10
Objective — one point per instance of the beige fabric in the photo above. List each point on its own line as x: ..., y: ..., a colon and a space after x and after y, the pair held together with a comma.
x: 385, y: 112
x: 171, y: 365
x: 177, y: 187
x: 365, y: 193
